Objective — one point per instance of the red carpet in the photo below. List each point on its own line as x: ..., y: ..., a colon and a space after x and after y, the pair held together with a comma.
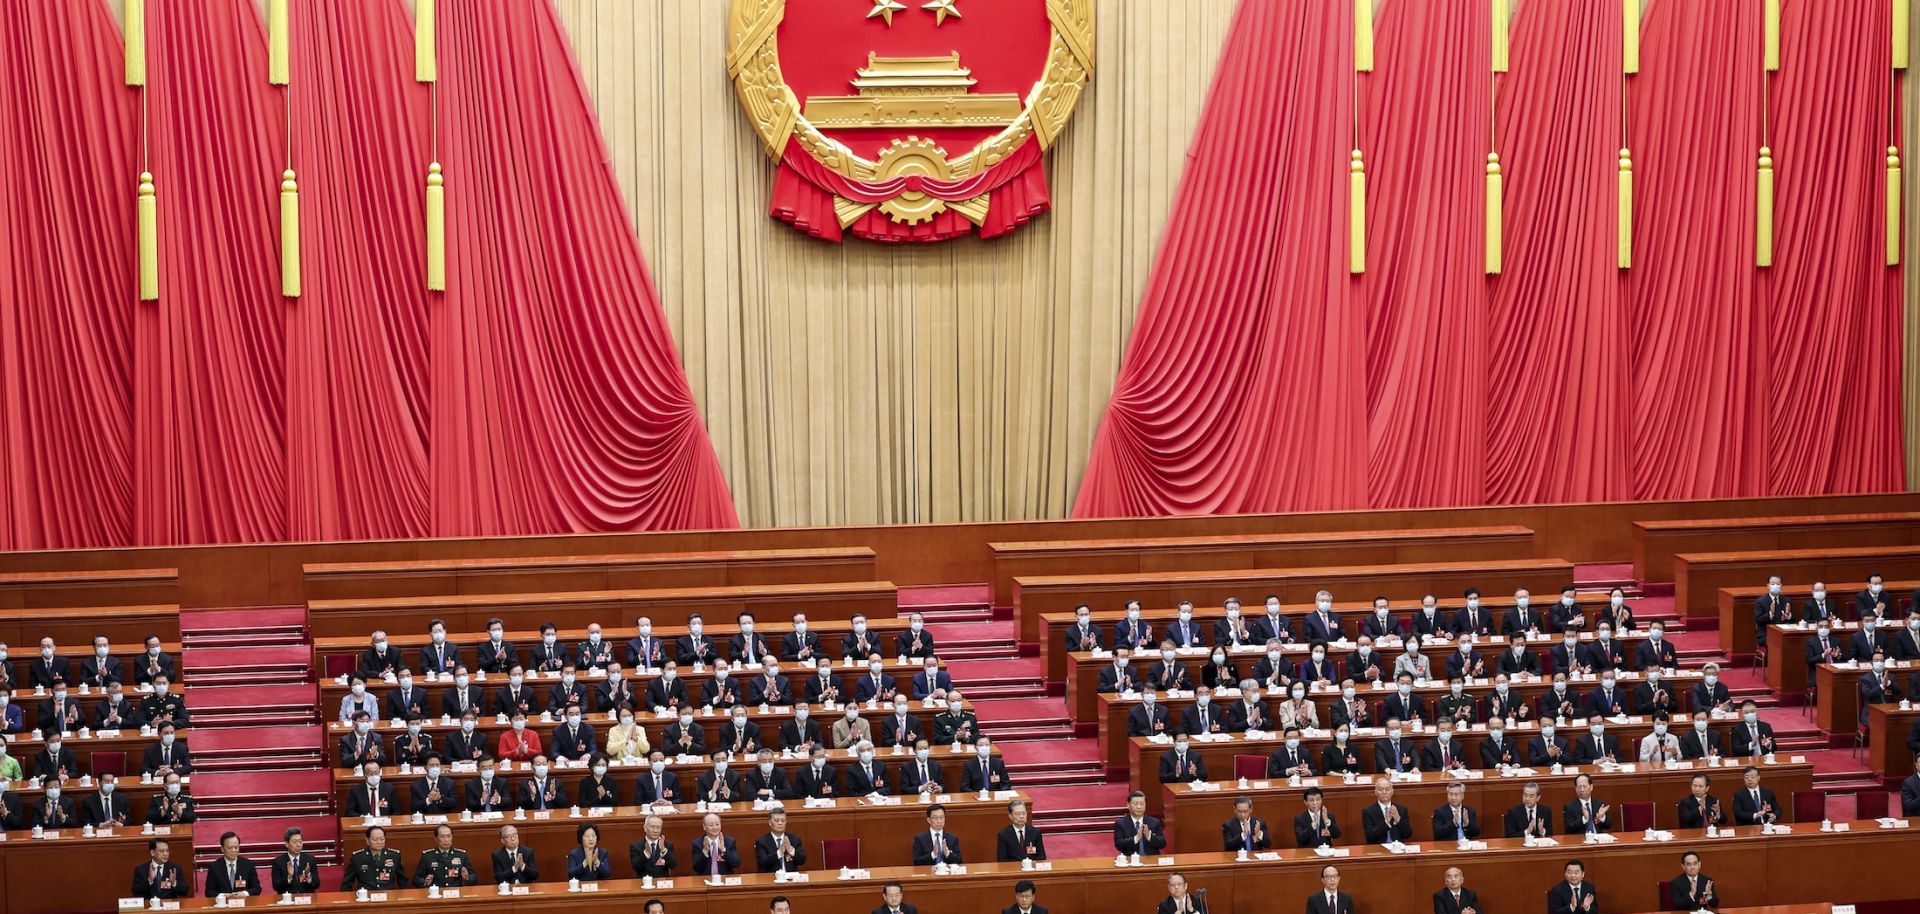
x: 1602, y: 574
x: 947, y: 595
x: 1054, y: 751
x: 195, y: 620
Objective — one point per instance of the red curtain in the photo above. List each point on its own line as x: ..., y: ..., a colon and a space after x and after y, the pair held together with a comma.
x: 1833, y: 307
x: 68, y: 174
x: 1429, y: 114
x: 210, y: 386
x: 357, y: 392
x: 1697, y: 333
x: 558, y: 400
x: 1556, y: 333
x: 1242, y: 388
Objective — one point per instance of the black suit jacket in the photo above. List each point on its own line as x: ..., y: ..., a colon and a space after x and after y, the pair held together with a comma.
x: 1514, y: 823
x: 1686, y: 896
x: 1373, y: 824
x: 1129, y: 840
x: 98, y: 809
x: 294, y: 877
x: 1445, y: 828
x: 1508, y: 752
x: 1444, y: 902
x: 1576, y: 819
x: 1746, y: 743
x: 1305, y: 835
x: 1691, y: 816
x: 170, y: 882
x: 923, y: 849
x: 766, y: 854
x: 1747, y: 812
x: 658, y: 862
x: 1015, y: 909
x: 498, y: 793
x: 1008, y: 847
x: 1317, y: 903
x: 245, y: 877
x: 1562, y: 899
x: 1255, y: 837
x: 503, y: 864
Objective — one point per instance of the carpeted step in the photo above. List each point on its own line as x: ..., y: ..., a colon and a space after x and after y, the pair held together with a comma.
x: 263, y: 697
x: 255, y: 793
x: 248, y: 749
x: 999, y: 678
x: 1599, y: 573
x: 1083, y: 808
x: 916, y: 596
x: 244, y: 619
x: 269, y: 658
x: 1024, y: 718
x: 1054, y: 763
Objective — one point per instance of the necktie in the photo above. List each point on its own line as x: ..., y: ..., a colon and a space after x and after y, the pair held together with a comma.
x: 373, y: 798
x: 229, y: 874
x: 540, y: 790
x: 1586, y: 811
x: 713, y: 856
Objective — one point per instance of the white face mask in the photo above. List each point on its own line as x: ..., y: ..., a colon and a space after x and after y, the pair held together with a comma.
x: 1607, y: 682
x: 1406, y: 689
x: 593, y: 638
x: 362, y: 726
x: 539, y: 771
x: 599, y: 771
x: 1819, y: 595
x: 1299, y: 693
x: 1750, y: 716
x: 686, y: 720
x: 406, y: 682
x: 1347, y: 693
x: 1617, y: 600
x: 1497, y: 732
x: 1457, y: 688
x: 573, y: 719
x: 99, y: 651
x: 1874, y: 588
x: 1559, y: 685
x: 1712, y: 681
x: 1181, y: 745
x: 1473, y: 602
x: 1700, y: 725
x: 1445, y: 736
x: 1133, y: 615
x: 373, y: 780
x: 646, y: 631
x: 800, y: 715
x: 1186, y: 617
x: 766, y: 768
x: 359, y: 690
x: 1597, y: 729
x: 1500, y: 687
x: 566, y: 679
x: 1773, y: 588
x: 413, y: 729
x: 669, y: 675
x: 984, y: 751
x: 1660, y: 729
x: 1340, y: 736
x: 1380, y: 612
x: 519, y: 725
x: 1219, y: 658
x: 517, y: 681
x: 493, y: 634
x: 1319, y: 656
x: 874, y: 668
x: 658, y: 767
x: 1166, y: 656
x: 866, y: 755
x: 466, y: 726
x: 916, y: 625
x: 380, y: 646
x: 859, y: 628
x: 799, y: 628
x: 746, y: 628
x: 173, y: 790
x: 433, y: 772
x: 1546, y: 733
x: 1273, y: 656
x: 461, y: 681
x: 922, y: 754
x: 1566, y: 601
x: 439, y: 637
x: 740, y: 722
x: 1323, y: 605
x: 53, y: 793
x: 486, y: 774
x: 1233, y: 614
x: 1654, y: 635
x: 695, y: 628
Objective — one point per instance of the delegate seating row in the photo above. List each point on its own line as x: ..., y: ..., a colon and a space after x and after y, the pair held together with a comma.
x: 576, y: 573
x: 1736, y: 608
x: 1700, y: 576
x: 1656, y: 542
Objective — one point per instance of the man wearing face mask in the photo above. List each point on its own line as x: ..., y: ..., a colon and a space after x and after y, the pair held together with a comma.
x: 694, y: 646
x: 1148, y: 718
x: 1132, y: 632
x: 488, y: 792
x: 1770, y: 608
x: 1083, y: 636
x: 1430, y: 619
x: 1396, y: 753
x: 116, y: 713
x: 548, y: 653
x: 1869, y: 640
x: 1169, y: 672
x: 469, y: 743
x: 748, y: 644
x: 823, y: 687
x: 1656, y: 650
x: 657, y: 784
x: 569, y: 691
x: 1548, y: 748
x: 1463, y: 662
x: 1273, y: 670
x: 801, y: 733
x: 1566, y: 616
x: 817, y: 779
x: 1118, y: 676
x: 1817, y: 607
x: 851, y: 729
x: 514, y: 862
x: 859, y: 642
x: 1473, y: 619
x: 1365, y: 663
x: 1751, y: 736
x: 496, y: 654
x: 1660, y: 746
x: 1523, y: 619
x: 438, y: 656
x: 1609, y: 699
x: 876, y: 685
x: 931, y: 681
x: 1597, y: 745
x: 435, y: 794
x: 101, y: 667
x: 1505, y: 703
x: 464, y: 695
x: 519, y: 743
x: 769, y: 688
x: 1274, y: 625
x: 719, y: 784
x: 1457, y: 706
x: 921, y: 774
x: 1710, y: 693
x: 868, y: 775
x: 1184, y: 632
x: 684, y: 736
x: 54, y: 809
x: 413, y: 746
x: 739, y: 735
x: 174, y: 806
x: 1654, y: 696
x: 1905, y: 643
x: 900, y: 728
x: 1568, y: 656
x: 616, y: 693
x: 1291, y: 758
x: 765, y: 781
x: 668, y: 691
x: 170, y: 755
x: 408, y: 700
x: 1402, y: 703
x: 1604, y: 652
x: 1445, y: 753
x: 594, y: 653
x: 801, y: 645
x: 916, y: 643
x: 60, y: 712
x: 107, y: 808
x: 1323, y: 624
x: 1351, y: 709
x: 1559, y: 701
x: 1699, y: 740
x: 1498, y: 750
x: 374, y: 797
x: 652, y: 854
x: 1180, y: 765
x: 1877, y: 687
x: 1874, y: 600
x: 379, y: 660
x: 644, y: 650
x: 574, y: 738
x: 1379, y: 622
x: 984, y: 771
x: 361, y: 744
x: 516, y: 697
x: 1823, y: 647
x: 1234, y: 630
x: 56, y: 761
x: 541, y: 791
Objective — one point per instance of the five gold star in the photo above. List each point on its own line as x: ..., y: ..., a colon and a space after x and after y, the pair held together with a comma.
x: 941, y: 9
x: 885, y: 10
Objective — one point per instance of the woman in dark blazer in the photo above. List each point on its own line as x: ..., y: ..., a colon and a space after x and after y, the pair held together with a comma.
x: 589, y: 861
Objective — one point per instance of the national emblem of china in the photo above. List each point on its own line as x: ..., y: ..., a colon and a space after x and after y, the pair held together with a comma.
x: 909, y: 120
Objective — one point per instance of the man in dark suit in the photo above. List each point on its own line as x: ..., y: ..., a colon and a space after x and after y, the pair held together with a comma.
x: 1523, y: 618
x: 984, y: 771
x: 548, y: 654
x: 496, y: 654
x: 892, y: 898
x: 438, y: 655
x: 1178, y: 765
x: 1083, y: 636
x: 1817, y: 607
x: 747, y: 646
x: 1455, y: 898
x: 1574, y: 895
x: 160, y: 877
x: 1869, y: 640
x: 779, y: 851
x: 1135, y: 832
x: 1395, y: 753
x: 770, y: 688
x: 644, y: 650
x: 1692, y: 891
x: 1823, y: 647
x: 1604, y: 652
x: 1654, y: 696
x: 1910, y: 791
x: 1291, y: 758
x: 694, y: 646
x: 718, y: 784
x: 101, y: 667
x: 1019, y: 840
x: 1549, y: 747
x: 1429, y: 619
x: 53, y: 810
x: 1455, y: 820
x: 1517, y: 659
x: 1770, y: 608
x: 378, y: 659
x: 1566, y: 615
x: 1402, y: 702
x: 1656, y: 650
x: 1700, y: 808
x: 1529, y: 818
x: 407, y: 700
x: 669, y: 690
x: 1315, y: 826
x: 1148, y: 718
x: 1751, y: 736
x: 1873, y: 601
x: 1183, y: 631
x: 1273, y: 623
x: 921, y: 773
x: 801, y: 645
x: 817, y: 779
x: 1244, y: 832
x: 107, y: 807
x: 1118, y: 676
x: 463, y: 697
x: 867, y: 775
x: 822, y: 686
x: 294, y: 871
x: 1379, y: 621
x: 1444, y: 753
x: 371, y: 797
x: 1472, y: 618
x: 657, y: 782
x: 1499, y: 750
x: 1699, y: 741
x: 801, y: 733
x: 170, y: 754
x: 152, y: 664
x: 936, y: 844
x: 1383, y: 821
x: 1169, y: 672
x: 1323, y: 624
x: 652, y: 854
x: 860, y: 643
x: 488, y: 792
x: 1023, y: 899
x: 714, y: 852
x: 722, y: 691
x: 1583, y: 813
x: 900, y: 728
x: 116, y: 713
x: 514, y: 862
x: 1329, y: 900
x: 1568, y: 656
x: 1235, y: 629
x: 435, y: 794
x: 230, y: 873
x: 1609, y: 699
x: 1754, y: 804
x: 1597, y: 745
x: 1904, y: 643
x: 916, y: 643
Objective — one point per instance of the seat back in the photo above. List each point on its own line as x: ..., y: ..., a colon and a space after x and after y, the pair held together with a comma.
x: 1250, y: 766
x: 341, y: 665
x: 1809, y: 805
x: 840, y: 852
x: 1871, y: 804
x: 1666, y: 895
x: 1636, y: 816
x: 114, y: 763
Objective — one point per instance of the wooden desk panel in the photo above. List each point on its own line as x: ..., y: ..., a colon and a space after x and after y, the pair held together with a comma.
x: 41, y: 590
x: 130, y: 623
x: 1036, y: 595
x: 1837, y: 708
x: 1193, y: 818
x: 573, y: 573
x: 1891, y: 738
x: 839, y: 601
x: 1255, y: 550
x: 1655, y: 543
x: 1699, y: 576
x: 1787, y: 671
x: 884, y: 832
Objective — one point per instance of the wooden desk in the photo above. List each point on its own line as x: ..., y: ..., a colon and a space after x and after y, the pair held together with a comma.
x: 1787, y: 653
x: 1043, y: 594
x: 1890, y: 749
x: 627, y: 776
x: 841, y: 601
x: 1193, y: 818
x: 75, y: 873
x: 1698, y: 577
x: 574, y: 573
x: 1837, y: 708
x: 64, y: 590
x: 1143, y: 756
x: 884, y: 832
x: 1133, y: 555
x: 1655, y: 542
x: 1113, y: 709
x: 769, y: 723
x: 1794, y: 869
x: 1735, y: 607
x: 131, y: 623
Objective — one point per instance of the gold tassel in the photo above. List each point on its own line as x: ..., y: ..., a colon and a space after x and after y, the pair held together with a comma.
x: 1630, y: 36
x: 277, y: 66
x: 147, y: 223
x: 1626, y: 209
x: 1357, y: 214
x: 1763, y: 222
x: 1363, y: 35
x: 1773, y: 35
x: 1893, y: 206
x: 1495, y: 217
x: 289, y: 235
x: 426, y: 60
x: 436, y: 229
x: 1502, y: 21
x: 136, y: 31
x: 1902, y: 22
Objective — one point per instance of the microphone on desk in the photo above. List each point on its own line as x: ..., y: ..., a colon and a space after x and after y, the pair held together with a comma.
x: 1200, y: 898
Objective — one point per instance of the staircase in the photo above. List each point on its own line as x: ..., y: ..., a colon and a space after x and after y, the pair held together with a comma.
x: 258, y: 739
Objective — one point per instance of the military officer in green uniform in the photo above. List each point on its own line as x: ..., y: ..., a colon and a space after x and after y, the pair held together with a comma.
x: 374, y: 867
x: 444, y: 865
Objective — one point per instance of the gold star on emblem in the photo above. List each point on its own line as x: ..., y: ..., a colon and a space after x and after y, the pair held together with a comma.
x: 885, y: 10
x: 941, y: 9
